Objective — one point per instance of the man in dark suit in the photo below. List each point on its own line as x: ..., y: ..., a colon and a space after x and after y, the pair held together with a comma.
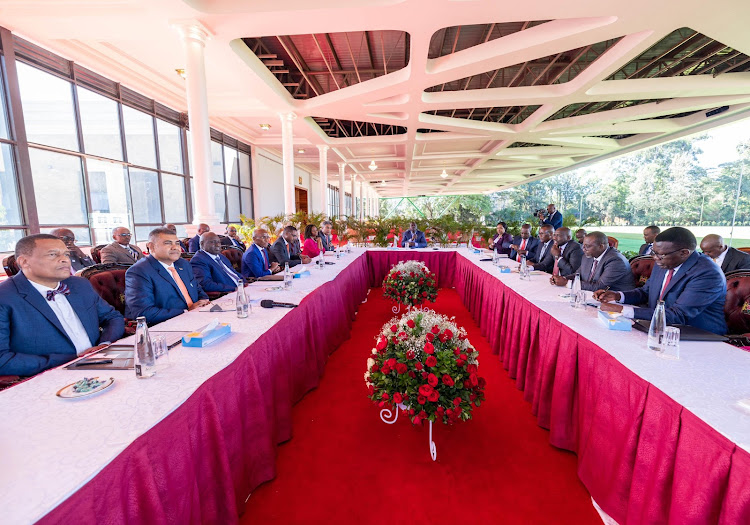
x: 580, y: 234
x: 543, y: 259
x: 728, y: 259
x: 121, y: 251
x: 524, y: 244
x: 162, y: 285
x: 232, y: 240
x: 691, y: 285
x: 284, y: 250
x: 325, y: 236
x: 602, y: 267
x: 78, y: 260
x: 212, y: 270
x: 195, y: 243
x: 565, y: 254
x: 48, y: 317
x: 649, y: 234
x: 413, y: 238
x: 554, y: 218
x: 256, y: 261
x: 173, y: 229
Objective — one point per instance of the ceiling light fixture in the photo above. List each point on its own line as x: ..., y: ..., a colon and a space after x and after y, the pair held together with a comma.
x: 265, y: 127
x: 300, y: 150
x: 444, y: 174
x: 373, y: 166
x: 182, y: 73
x: 382, y: 183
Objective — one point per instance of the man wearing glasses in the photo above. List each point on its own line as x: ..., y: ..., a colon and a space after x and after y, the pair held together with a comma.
x: 78, y: 260
x: 692, y: 287
x: 121, y: 251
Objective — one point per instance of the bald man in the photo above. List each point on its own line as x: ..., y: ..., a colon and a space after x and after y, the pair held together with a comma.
x: 728, y: 259
x: 195, y: 242
x: 256, y: 261
x: 121, y: 251
x: 78, y: 260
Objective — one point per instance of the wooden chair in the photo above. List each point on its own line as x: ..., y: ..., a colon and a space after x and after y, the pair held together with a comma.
x: 745, y: 249
x: 96, y: 253
x: 613, y: 243
x: 235, y: 257
x: 108, y: 280
x: 10, y: 266
x: 737, y: 303
x: 641, y: 266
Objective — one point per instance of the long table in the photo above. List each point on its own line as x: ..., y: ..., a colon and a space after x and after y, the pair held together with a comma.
x: 658, y: 441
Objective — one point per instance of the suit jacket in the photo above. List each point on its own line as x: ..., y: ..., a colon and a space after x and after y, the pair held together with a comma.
x: 281, y: 256
x: 327, y: 242
x: 502, y: 243
x: 253, y: 264
x: 735, y: 260
x: 642, y: 249
x: 532, y: 246
x: 211, y: 276
x: 151, y: 292
x: 695, y: 295
x: 547, y: 262
x: 229, y: 242
x: 195, y: 244
x: 570, y: 258
x: 114, y: 253
x: 31, y: 336
x: 556, y: 220
x: 613, y: 270
x: 79, y: 263
x: 418, y: 238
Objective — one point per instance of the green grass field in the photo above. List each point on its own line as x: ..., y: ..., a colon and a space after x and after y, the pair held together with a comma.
x: 632, y: 241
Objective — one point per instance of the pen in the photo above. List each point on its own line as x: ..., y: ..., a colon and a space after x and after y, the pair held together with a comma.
x: 99, y: 362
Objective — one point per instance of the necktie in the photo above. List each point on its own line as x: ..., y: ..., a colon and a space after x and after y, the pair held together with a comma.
x: 648, y: 250
x: 523, y: 247
x: 132, y: 252
x: 265, y: 258
x: 666, y: 283
x: 226, y: 269
x: 62, y: 289
x: 288, y: 251
x: 593, y: 270
x: 544, y: 250
x: 181, y: 286
x: 556, y: 269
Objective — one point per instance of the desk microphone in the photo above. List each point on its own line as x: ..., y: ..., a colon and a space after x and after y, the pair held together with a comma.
x: 268, y: 303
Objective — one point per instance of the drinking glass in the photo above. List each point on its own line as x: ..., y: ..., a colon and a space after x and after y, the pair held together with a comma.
x: 161, y: 352
x: 580, y: 300
x: 671, y: 346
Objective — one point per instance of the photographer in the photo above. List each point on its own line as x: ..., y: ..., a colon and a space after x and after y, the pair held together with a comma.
x: 552, y: 217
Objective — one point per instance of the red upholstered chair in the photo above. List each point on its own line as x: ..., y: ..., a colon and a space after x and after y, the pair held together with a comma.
x: 745, y: 249
x: 737, y: 303
x: 96, y: 253
x: 10, y: 266
x: 613, y: 243
x: 186, y: 255
x: 108, y: 280
x: 641, y: 267
x: 235, y: 257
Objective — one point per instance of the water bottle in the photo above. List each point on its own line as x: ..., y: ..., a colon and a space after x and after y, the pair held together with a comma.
x: 575, y: 290
x: 524, y: 272
x: 338, y: 252
x: 287, y: 276
x: 143, y: 353
x: 657, y: 329
x: 495, y: 258
x: 320, y: 262
x: 241, y: 300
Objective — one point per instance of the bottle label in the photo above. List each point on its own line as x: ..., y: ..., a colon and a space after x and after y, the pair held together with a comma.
x: 137, y: 370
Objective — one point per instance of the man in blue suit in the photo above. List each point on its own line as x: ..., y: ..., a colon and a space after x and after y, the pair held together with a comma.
x: 553, y: 218
x: 195, y: 243
x: 524, y: 244
x: 256, y: 261
x: 162, y: 285
x: 212, y: 270
x: 48, y: 317
x: 413, y: 238
x: 692, y: 287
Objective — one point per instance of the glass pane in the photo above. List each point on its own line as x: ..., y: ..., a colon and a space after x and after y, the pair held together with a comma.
x: 100, y: 123
x: 110, y: 203
x: 192, y: 194
x: 141, y: 233
x: 217, y: 166
x: 47, y: 108
x: 173, y: 187
x: 144, y: 188
x: 10, y: 210
x: 181, y: 230
x: 83, y: 235
x: 58, y: 187
x: 190, y: 152
x: 170, y: 146
x: 247, y: 202
x: 3, y: 111
x: 245, y: 170
x: 9, y: 238
x: 220, y: 202
x: 233, y: 204
x: 139, y: 137
x: 231, y: 169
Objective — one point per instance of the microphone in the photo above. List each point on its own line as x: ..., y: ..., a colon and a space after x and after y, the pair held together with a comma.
x: 268, y: 303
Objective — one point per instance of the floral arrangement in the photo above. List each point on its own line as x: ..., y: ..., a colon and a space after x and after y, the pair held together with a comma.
x: 424, y: 364
x: 410, y: 283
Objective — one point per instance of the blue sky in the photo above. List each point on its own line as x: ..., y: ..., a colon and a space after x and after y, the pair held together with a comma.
x: 721, y: 144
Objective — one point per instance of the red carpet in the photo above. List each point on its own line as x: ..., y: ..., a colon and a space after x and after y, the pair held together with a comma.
x: 344, y: 465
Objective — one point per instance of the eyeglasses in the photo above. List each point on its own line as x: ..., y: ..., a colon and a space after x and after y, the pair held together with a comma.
x: 67, y: 238
x: 661, y: 256
x: 124, y: 235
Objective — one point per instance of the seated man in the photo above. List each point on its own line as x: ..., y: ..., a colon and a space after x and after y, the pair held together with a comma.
x: 565, y: 254
x: 162, y: 285
x: 580, y: 234
x: 286, y: 249
x: 212, y: 270
x: 78, y: 260
x: 649, y: 234
x: 232, y: 240
x: 543, y: 259
x: 121, y: 251
x: 728, y: 259
x: 48, y: 317
x: 256, y: 261
x: 603, y: 267
x: 524, y: 244
x: 325, y: 235
x: 692, y: 287
x: 173, y: 229
x: 195, y: 243
x: 413, y: 238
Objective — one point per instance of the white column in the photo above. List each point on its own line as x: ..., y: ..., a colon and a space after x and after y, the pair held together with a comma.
x: 362, y: 207
x: 287, y: 155
x: 194, y: 36
x: 342, y: 197
x: 323, y: 160
x: 354, y: 194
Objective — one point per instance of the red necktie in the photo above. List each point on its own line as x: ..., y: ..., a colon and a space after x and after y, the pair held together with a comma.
x: 523, y: 247
x: 265, y: 258
x: 556, y: 269
x: 666, y: 283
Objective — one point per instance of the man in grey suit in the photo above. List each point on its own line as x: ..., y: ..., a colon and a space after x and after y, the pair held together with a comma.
x: 728, y: 259
x: 543, y: 260
x: 565, y: 254
x: 121, y: 251
x: 603, y: 267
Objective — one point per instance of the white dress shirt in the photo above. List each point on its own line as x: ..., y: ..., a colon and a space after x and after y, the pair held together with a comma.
x: 229, y: 271
x: 720, y: 259
x: 67, y: 317
x: 167, y: 267
x: 627, y: 311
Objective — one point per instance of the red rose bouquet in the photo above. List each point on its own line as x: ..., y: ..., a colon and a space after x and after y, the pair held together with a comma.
x: 410, y: 283
x: 424, y: 364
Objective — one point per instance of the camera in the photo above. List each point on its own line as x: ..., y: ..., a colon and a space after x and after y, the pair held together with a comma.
x: 543, y: 211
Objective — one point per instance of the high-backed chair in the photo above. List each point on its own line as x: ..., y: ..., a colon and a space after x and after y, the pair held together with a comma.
x: 10, y: 266
x: 745, y: 249
x: 235, y: 257
x: 110, y: 285
x: 641, y: 267
x: 613, y: 243
x: 96, y: 253
x: 187, y: 255
x: 737, y: 303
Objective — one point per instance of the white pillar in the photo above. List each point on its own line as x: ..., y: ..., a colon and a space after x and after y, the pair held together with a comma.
x: 194, y: 36
x: 354, y: 195
x: 287, y: 153
x: 362, y: 200
x: 342, y: 197
x: 323, y: 160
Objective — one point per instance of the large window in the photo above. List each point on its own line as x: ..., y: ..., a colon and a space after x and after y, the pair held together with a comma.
x: 100, y: 124
x: 110, y: 198
x: 139, y: 137
x: 333, y: 201
x: 58, y: 188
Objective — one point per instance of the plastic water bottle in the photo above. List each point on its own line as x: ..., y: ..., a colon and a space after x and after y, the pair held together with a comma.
x: 287, y: 276
x: 320, y: 262
x: 657, y: 329
x: 143, y: 352
x: 338, y: 252
x: 524, y: 272
x: 241, y: 300
x: 575, y: 290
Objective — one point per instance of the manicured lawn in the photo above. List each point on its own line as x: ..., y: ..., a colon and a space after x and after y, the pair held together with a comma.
x: 633, y: 241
